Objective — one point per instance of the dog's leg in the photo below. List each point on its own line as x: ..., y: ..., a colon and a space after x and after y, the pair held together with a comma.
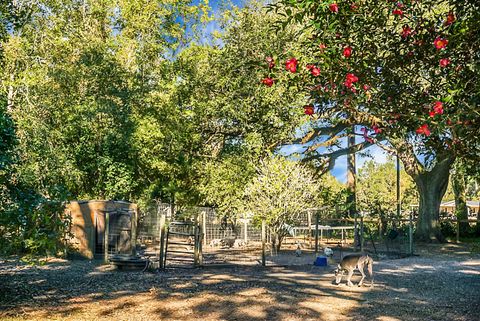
x: 350, y: 273
x: 339, y: 277
x: 370, y: 270
x: 360, y: 268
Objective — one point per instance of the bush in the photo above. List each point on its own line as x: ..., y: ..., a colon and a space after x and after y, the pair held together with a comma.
x: 33, y: 225
x: 448, y: 228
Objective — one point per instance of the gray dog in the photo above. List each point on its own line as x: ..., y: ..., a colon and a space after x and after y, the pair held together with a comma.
x: 351, y: 262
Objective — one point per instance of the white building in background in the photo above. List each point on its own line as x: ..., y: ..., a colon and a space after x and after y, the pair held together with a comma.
x: 473, y: 208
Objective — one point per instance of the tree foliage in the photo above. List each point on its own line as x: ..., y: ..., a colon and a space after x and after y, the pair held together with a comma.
x: 377, y: 191
x: 401, y: 70
x: 119, y: 100
x: 279, y: 193
x: 376, y: 188
x: 76, y: 76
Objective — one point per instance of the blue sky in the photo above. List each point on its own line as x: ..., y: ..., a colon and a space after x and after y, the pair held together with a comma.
x: 340, y: 169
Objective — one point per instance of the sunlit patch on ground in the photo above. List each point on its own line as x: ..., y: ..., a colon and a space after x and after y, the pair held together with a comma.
x: 433, y: 287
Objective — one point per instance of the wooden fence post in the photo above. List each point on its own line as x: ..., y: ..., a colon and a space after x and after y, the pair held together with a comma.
x: 134, y: 232
x: 106, y: 236
x: 162, y: 240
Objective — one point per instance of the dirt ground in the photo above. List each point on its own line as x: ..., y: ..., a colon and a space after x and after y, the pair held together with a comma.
x: 441, y: 283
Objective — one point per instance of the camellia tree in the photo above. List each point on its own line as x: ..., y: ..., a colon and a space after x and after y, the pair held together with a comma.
x: 403, y: 71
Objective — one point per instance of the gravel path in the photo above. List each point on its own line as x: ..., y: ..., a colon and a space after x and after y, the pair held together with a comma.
x: 441, y: 284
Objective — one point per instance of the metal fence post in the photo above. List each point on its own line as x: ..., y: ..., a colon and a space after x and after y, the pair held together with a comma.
x: 196, y: 238
x: 316, y: 234
x: 200, y: 240
x: 410, y: 233
x: 263, y: 241
x: 204, y: 225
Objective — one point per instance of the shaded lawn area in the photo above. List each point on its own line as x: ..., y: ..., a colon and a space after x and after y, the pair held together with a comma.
x: 441, y: 284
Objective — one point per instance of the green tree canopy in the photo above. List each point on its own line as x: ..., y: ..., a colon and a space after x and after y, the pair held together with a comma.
x: 401, y: 70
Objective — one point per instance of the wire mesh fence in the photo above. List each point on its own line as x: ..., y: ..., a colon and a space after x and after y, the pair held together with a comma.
x: 239, y: 240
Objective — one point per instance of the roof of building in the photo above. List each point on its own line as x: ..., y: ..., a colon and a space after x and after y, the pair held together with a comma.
x: 452, y: 204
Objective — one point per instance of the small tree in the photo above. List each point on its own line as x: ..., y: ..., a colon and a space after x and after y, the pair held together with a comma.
x: 281, y: 191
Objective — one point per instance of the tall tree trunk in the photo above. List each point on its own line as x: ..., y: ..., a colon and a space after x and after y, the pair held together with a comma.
x: 477, y: 226
x: 351, y: 184
x: 459, y: 189
x: 431, y: 186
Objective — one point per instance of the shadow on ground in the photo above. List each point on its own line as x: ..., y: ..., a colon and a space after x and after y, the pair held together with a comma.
x: 415, y: 288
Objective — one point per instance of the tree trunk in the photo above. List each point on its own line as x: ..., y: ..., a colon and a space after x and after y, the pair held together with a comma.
x: 352, y: 184
x: 431, y: 186
x: 477, y: 227
x: 459, y: 189
x: 279, y: 242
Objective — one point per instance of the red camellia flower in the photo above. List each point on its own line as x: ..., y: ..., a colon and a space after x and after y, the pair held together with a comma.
x: 291, y: 65
x: 423, y: 130
x: 308, y: 110
x: 366, y: 87
x: 432, y: 113
x: 450, y: 19
x: 315, y: 71
x: 267, y: 81
x: 376, y: 129
x: 444, y: 62
x: 440, y: 43
x: 333, y: 7
x: 407, y: 31
x: 347, y: 52
x: 350, y: 79
x: 397, y: 12
x: 365, y: 135
x: 438, y: 108
x: 271, y: 62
